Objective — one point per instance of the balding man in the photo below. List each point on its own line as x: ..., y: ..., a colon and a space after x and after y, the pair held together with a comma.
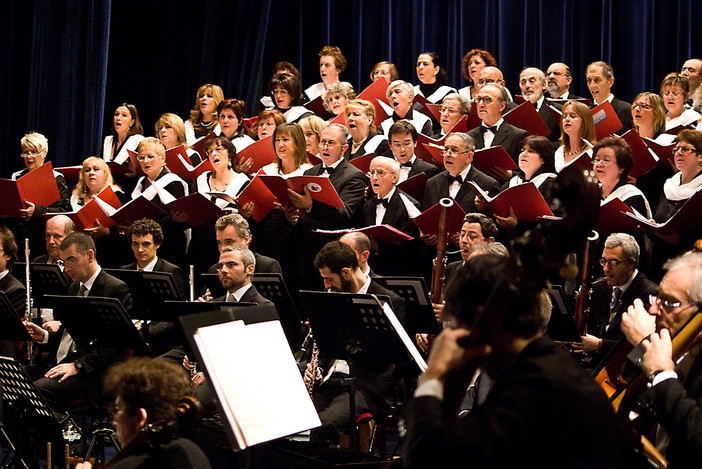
x: 558, y: 81
x: 691, y: 69
x: 494, y: 75
x: 532, y: 82
x: 57, y: 228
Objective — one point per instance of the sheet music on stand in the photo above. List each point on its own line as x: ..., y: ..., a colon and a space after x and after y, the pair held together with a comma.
x: 357, y: 327
x: 419, y: 316
x: 47, y: 279
x: 260, y: 391
x: 89, y: 318
x: 26, y: 415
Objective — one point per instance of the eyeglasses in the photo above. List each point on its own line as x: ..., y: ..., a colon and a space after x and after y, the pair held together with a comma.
x: 380, y: 173
x: 31, y: 154
x: 327, y: 143
x: 672, y: 93
x: 453, y: 151
x: 485, y: 81
x: 666, y: 305
x: 146, y: 157
x: 448, y: 110
x: 611, y: 262
x: 406, y: 144
x: 684, y: 150
x: 643, y: 106
x: 602, y: 162
x: 485, y: 99
x: 217, y: 150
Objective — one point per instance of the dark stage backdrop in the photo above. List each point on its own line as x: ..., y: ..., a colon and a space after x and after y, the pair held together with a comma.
x: 66, y: 64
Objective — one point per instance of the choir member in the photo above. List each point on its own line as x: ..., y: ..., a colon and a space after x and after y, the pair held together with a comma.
x: 203, y: 115
x: 403, y: 141
x: 385, y: 70
x: 474, y: 62
x: 400, y: 95
x: 600, y: 78
x: 453, y: 108
x: 126, y: 134
x: 674, y: 89
x: 363, y: 135
x: 432, y: 78
x: 332, y: 63
x: 231, y: 114
x: 170, y: 130
x: 312, y: 127
x: 286, y: 90
x: 337, y: 97
x: 268, y: 121
x: 577, y: 134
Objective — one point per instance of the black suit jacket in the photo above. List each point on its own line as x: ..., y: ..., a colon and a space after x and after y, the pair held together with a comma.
x: 551, y: 123
x: 623, y: 110
x: 266, y: 265
x: 15, y: 292
x: 531, y: 402
x: 598, y: 318
x: 438, y: 188
x: 508, y: 136
x: 165, y: 266
x: 250, y: 296
x: 421, y: 166
x: 350, y: 183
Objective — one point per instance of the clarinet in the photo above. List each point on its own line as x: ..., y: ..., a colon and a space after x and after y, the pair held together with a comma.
x: 314, y: 361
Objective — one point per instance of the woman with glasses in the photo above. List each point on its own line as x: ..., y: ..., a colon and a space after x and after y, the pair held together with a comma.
x: 674, y: 89
x: 286, y: 90
x: 202, y: 249
x: 648, y: 114
x: 385, y: 70
x: 160, y: 186
x: 364, y: 137
x: 687, y: 181
x: 203, y: 115
x: 577, y: 134
x: 474, y: 62
x: 268, y: 121
x: 126, y: 134
x: 31, y: 223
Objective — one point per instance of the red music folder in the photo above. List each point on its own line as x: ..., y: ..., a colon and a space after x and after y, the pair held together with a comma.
x: 37, y: 186
x: 429, y: 149
x: 95, y: 213
x: 179, y: 163
x: 198, y: 207
x: 363, y: 162
x: 644, y: 160
x: 606, y: 120
x: 382, y: 233
x: 685, y: 220
x: 663, y: 152
x: 414, y: 186
x: 261, y: 152
x: 525, y: 199
x: 133, y: 159
x: 493, y: 157
x: 136, y: 209
x: 317, y: 106
x: 319, y: 187
x: 71, y: 173
x: 375, y: 91
x: 428, y: 220
x: 200, y: 144
x: 613, y: 219
x: 262, y: 198
x: 525, y: 117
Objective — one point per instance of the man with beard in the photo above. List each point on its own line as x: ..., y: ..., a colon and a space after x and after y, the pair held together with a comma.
x: 532, y: 82
x: 558, y: 80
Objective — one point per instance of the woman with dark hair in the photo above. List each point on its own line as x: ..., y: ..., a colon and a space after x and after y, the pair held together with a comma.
x: 363, y: 135
x: 674, y: 89
x: 202, y: 249
x: 332, y: 63
x: 432, y: 77
x: 126, y: 134
x: 385, y: 70
x: 290, y: 152
x: 688, y: 180
x: 286, y: 90
x: 612, y: 162
x: 280, y: 67
x: 231, y: 114
x: 536, y: 166
x: 268, y: 121
x: 203, y: 115
x: 474, y: 62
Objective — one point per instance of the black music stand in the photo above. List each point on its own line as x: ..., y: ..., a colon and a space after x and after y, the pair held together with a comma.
x: 28, y: 422
x: 149, y: 291
x: 94, y: 318
x: 272, y: 287
x: 11, y: 326
x: 46, y: 279
x: 561, y: 326
x: 419, y: 315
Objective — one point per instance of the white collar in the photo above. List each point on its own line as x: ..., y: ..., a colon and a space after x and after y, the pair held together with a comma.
x: 150, y: 266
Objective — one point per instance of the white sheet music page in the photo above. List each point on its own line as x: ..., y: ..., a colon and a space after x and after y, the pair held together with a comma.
x: 256, y: 380
x: 409, y: 345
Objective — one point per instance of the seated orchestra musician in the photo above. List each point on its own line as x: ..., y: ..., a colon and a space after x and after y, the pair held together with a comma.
x: 13, y: 289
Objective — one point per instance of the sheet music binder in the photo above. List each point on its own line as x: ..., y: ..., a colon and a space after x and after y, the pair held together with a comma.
x: 419, y: 314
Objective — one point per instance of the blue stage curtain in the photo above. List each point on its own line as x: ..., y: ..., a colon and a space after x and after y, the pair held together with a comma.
x: 67, y: 63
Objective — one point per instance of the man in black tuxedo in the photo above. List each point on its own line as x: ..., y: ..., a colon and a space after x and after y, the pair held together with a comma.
x: 538, y: 390
x: 403, y: 140
x: 458, y: 159
x: 78, y: 368
x: 611, y: 296
x: 391, y: 206
x: 10, y: 286
x: 673, y: 397
x: 337, y: 264
x: 234, y: 230
x: 494, y: 131
x: 558, y: 80
x: 235, y: 268
x: 600, y: 78
x: 57, y: 228
x: 532, y: 82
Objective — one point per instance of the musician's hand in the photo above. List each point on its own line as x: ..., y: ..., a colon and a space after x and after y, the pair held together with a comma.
x: 509, y: 222
x: 207, y: 296
x: 455, y: 238
x: 197, y: 380
x: 51, y: 326
x: 84, y: 465
x: 658, y: 353
x: 26, y: 213
x: 179, y: 217
x: 428, y: 239
x: 187, y: 364
x: 480, y: 202
x: 35, y: 331
x: 637, y: 323
x: 62, y: 371
x: 244, y: 166
x: 438, y: 311
x: 311, y: 374
x: 301, y: 201
x: 98, y: 232
x: 589, y: 343
x: 247, y: 210
x: 448, y: 357
x: 424, y: 341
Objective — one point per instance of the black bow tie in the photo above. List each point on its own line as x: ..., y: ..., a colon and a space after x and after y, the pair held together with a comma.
x: 384, y: 202
x: 453, y: 179
x: 406, y: 165
x: 492, y: 129
x: 327, y: 169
